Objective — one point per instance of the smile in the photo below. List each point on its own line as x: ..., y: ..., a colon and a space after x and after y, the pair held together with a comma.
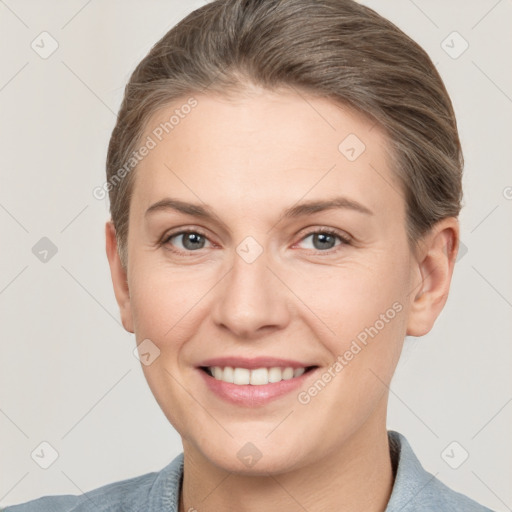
x: 255, y: 387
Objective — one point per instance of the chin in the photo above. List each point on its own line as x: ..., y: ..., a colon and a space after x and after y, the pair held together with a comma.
x: 253, y: 459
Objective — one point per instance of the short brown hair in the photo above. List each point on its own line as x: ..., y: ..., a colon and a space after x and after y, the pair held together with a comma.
x: 337, y: 49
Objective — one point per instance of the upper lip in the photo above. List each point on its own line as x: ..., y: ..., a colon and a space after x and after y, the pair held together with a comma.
x: 252, y: 363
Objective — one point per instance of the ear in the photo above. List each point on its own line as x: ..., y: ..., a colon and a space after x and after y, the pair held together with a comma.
x: 435, y: 261
x: 119, y: 277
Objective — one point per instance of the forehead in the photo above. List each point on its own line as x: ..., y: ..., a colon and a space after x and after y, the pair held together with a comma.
x: 264, y: 148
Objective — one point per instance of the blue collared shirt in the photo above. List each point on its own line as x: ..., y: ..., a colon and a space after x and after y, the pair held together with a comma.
x: 414, y: 489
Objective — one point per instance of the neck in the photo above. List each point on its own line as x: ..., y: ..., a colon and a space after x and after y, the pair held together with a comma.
x: 356, y: 476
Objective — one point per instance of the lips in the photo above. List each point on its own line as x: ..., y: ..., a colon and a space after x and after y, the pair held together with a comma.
x: 255, y: 381
x: 248, y: 390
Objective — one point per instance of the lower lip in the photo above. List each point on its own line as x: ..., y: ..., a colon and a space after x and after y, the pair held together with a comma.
x: 250, y: 395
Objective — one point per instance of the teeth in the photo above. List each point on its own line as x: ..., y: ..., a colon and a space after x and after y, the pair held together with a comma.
x: 240, y: 376
x: 256, y: 377
x: 227, y: 375
x: 259, y: 377
x: 298, y: 372
x: 275, y: 374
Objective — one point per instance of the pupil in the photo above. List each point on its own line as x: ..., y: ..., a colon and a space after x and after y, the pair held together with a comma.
x: 190, y: 239
x: 321, y: 238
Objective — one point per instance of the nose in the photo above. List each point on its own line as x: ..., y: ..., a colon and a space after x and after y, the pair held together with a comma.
x: 251, y: 300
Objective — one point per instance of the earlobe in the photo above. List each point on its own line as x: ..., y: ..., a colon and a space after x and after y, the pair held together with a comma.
x: 119, y: 277
x: 435, y: 264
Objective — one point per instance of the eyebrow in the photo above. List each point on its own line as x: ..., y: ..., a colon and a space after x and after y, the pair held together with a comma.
x: 298, y: 210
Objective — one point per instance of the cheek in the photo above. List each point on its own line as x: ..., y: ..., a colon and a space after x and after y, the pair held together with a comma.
x: 165, y: 303
x: 165, y: 307
x: 362, y: 310
x: 354, y: 295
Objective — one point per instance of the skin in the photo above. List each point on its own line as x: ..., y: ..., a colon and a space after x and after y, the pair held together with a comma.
x: 249, y: 158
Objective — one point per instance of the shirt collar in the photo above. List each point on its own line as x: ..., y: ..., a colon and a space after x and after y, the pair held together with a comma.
x: 410, y: 477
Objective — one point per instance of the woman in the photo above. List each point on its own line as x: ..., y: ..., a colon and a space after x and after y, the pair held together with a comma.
x: 309, y: 151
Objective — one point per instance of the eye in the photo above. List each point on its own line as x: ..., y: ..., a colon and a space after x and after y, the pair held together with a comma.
x: 190, y: 241
x: 324, y: 240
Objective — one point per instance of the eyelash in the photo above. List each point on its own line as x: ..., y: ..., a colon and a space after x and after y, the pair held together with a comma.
x: 345, y: 240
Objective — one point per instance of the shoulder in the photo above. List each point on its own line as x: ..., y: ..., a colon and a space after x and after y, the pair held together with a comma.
x: 98, y: 500
x: 415, y: 489
x: 144, y: 492
x: 437, y: 496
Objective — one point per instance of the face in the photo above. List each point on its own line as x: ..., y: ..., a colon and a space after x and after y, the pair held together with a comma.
x: 263, y: 274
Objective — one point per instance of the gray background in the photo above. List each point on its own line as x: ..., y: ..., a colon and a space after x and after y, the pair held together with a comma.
x: 68, y: 375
